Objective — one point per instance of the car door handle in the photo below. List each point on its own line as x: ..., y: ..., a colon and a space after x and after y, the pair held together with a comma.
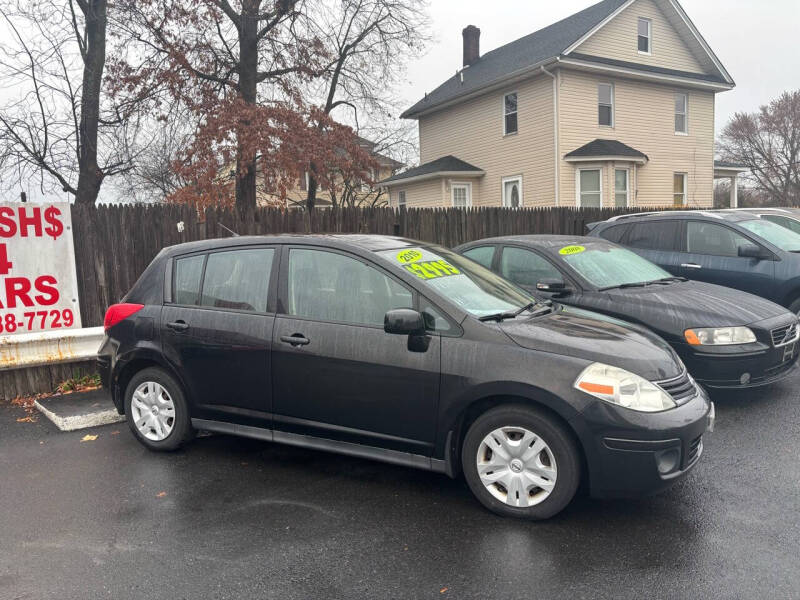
x: 178, y: 326
x: 296, y: 339
x: 691, y: 266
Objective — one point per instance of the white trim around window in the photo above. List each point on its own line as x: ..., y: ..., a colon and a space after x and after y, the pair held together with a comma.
x: 401, y: 198
x: 507, y: 201
x: 627, y: 190
x: 514, y: 113
x: 649, y: 36
x: 681, y: 114
x: 680, y: 194
x: 601, y: 103
x: 461, y: 185
x: 579, y: 193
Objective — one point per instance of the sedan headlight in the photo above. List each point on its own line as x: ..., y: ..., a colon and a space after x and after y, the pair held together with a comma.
x: 719, y: 336
x: 623, y: 388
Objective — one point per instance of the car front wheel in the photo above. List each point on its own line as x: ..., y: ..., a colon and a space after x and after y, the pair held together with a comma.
x: 520, y: 462
x: 156, y: 410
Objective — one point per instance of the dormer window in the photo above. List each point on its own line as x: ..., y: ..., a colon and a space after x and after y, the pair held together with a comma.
x: 645, y: 35
x: 510, y: 113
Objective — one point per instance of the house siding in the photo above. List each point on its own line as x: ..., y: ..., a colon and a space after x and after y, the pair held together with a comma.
x: 473, y: 131
x: 421, y: 194
x: 644, y: 119
x: 618, y: 40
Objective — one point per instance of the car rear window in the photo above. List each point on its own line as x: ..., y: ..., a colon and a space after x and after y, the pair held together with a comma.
x: 238, y: 279
x: 188, y: 273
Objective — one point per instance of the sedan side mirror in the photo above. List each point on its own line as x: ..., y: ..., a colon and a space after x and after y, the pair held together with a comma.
x: 551, y: 285
x: 752, y: 251
x: 404, y: 321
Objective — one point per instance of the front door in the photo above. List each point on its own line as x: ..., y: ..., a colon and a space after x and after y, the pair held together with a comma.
x: 711, y: 254
x: 217, y: 331
x: 337, y: 374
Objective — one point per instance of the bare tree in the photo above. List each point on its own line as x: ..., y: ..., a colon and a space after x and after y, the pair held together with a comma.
x: 368, y: 43
x: 54, y: 128
x: 768, y: 142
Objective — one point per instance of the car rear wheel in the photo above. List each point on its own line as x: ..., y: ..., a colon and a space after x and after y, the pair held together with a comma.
x: 156, y: 410
x: 520, y: 462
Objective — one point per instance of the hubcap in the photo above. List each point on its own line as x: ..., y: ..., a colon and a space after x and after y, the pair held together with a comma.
x: 516, y: 466
x: 153, y: 411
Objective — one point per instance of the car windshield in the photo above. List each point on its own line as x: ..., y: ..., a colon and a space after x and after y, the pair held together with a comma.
x: 469, y: 285
x: 783, y: 238
x: 611, y: 266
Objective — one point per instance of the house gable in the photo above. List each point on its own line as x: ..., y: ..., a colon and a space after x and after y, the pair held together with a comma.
x: 674, y: 43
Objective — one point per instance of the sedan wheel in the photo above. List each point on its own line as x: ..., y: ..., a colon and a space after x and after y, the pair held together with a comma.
x: 516, y: 466
x: 153, y: 411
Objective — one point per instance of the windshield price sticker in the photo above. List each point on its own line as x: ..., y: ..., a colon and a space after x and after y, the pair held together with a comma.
x: 432, y: 269
x: 409, y: 256
x: 569, y: 250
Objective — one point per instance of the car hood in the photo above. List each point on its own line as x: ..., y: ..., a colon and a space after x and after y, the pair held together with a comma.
x: 584, y: 334
x: 672, y: 309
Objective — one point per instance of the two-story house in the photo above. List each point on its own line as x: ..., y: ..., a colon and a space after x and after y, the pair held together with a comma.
x: 613, y: 106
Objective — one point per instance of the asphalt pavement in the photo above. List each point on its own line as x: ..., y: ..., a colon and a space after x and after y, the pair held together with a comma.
x: 235, y: 518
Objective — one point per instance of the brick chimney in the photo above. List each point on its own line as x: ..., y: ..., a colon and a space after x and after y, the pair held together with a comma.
x: 472, y: 44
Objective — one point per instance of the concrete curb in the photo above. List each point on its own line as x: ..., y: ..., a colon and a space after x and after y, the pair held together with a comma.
x: 81, y: 410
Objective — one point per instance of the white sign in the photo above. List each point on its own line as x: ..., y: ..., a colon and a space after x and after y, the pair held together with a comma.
x: 38, y: 283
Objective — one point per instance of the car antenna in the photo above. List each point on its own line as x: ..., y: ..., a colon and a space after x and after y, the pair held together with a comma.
x: 231, y: 231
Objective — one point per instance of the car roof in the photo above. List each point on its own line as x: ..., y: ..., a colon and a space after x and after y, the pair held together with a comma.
x: 545, y: 241
x: 726, y: 214
x: 372, y: 243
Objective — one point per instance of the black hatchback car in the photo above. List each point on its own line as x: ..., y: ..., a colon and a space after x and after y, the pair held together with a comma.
x: 405, y: 352
x: 727, y: 338
x: 733, y: 248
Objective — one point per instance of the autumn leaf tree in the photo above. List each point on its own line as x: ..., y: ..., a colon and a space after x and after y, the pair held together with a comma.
x: 238, y: 68
x: 768, y: 142
x: 56, y: 125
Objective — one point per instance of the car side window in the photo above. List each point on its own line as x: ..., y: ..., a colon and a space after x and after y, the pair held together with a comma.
x: 654, y: 235
x: 434, y: 318
x: 238, y: 279
x: 527, y: 268
x: 483, y: 255
x: 328, y: 286
x: 713, y: 239
x: 614, y: 234
x: 186, y: 282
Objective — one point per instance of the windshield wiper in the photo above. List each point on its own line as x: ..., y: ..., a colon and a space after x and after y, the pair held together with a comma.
x: 668, y: 280
x: 511, y: 314
x: 624, y: 286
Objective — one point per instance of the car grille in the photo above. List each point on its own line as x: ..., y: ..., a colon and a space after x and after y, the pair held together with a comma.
x: 694, y: 450
x: 782, y: 336
x: 681, y: 388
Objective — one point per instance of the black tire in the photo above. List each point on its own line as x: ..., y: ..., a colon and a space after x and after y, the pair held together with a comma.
x: 560, y: 442
x: 182, y: 430
x: 794, y: 307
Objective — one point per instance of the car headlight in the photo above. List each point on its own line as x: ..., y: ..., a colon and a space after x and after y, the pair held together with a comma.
x: 623, y: 388
x: 719, y: 336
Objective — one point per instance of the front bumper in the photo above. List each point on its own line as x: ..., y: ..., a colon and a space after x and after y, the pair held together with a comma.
x: 631, y: 454
x: 738, y: 367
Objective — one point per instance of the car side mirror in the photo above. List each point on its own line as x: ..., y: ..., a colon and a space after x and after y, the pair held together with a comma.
x: 752, y: 251
x: 551, y: 285
x: 404, y: 321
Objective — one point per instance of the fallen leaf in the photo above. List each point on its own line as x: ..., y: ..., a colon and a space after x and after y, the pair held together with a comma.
x: 88, y: 438
x: 115, y: 432
x: 27, y: 420
x: 161, y: 494
x: 443, y: 590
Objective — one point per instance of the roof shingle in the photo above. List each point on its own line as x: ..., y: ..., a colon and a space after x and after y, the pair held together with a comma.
x: 446, y: 164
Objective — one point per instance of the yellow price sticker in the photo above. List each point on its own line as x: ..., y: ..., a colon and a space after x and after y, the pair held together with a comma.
x: 432, y: 269
x: 409, y: 256
x: 568, y: 250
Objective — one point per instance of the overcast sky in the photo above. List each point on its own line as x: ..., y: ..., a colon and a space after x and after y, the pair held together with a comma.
x: 757, y: 41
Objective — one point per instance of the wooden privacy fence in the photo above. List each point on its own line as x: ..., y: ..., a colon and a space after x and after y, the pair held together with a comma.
x: 114, y: 244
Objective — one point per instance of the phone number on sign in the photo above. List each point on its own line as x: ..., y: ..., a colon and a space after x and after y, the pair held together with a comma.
x: 45, y: 319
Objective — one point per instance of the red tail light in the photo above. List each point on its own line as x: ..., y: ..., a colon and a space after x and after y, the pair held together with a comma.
x: 119, y: 312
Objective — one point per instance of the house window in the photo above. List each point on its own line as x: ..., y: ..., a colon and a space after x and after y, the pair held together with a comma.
x: 605, y: 104
x: 645, y: 35
x: 590, y: 190
x: 510, y: 113
x: 679, y: 191
x: 681, y: 113
x: 401, y: 198
x: 512, y: 192
x: 621, y: 193
x: 461, y: 195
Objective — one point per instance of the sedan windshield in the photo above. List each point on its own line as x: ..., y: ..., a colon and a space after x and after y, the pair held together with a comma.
x: 610, y: 267
x: 469, y: 285
x: 776, y: 235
